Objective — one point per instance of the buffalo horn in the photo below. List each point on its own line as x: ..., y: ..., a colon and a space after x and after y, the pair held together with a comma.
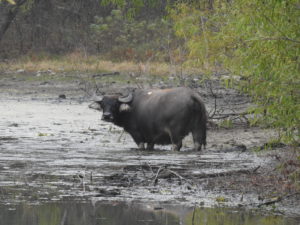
x: 125, y: 99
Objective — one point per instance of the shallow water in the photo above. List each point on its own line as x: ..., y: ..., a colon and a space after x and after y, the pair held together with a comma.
x: 78, y: 213
x: 64, y: 148
x: 53, y: 150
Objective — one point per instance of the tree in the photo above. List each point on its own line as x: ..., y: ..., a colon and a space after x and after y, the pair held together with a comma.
x: 8, y: 11
x: 256, y: 40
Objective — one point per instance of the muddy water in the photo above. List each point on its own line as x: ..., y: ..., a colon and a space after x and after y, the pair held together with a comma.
x: 63, y: 148
x: 131, y: 214
x: 56, y: 150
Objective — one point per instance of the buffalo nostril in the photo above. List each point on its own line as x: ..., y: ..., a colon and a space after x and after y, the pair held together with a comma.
x: 106, y: 116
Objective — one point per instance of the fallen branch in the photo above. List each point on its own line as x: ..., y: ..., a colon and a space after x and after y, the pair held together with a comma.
x: 277, y: 199
x: 176, y: 174
x: 228, y: 173
x: 156, y: 176
x: 199, y: 176
x: 168, y: 174
x: 150, y: 168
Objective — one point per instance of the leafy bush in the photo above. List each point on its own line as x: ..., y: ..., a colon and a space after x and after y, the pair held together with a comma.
x: 124, y: 38
x: 256, y: 40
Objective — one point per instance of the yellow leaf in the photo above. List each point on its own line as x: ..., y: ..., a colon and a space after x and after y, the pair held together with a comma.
x: 221, y: 199
x: 11, y: 2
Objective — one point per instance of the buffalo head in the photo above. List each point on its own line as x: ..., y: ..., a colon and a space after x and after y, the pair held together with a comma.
x: 113, y: 105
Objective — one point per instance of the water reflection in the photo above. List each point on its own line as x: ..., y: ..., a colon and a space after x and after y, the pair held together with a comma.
x: 83, y: 214
x: 223, y: 216
x: 78, y: 213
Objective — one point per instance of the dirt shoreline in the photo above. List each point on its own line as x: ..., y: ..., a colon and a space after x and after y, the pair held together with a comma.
x: 53, y: 148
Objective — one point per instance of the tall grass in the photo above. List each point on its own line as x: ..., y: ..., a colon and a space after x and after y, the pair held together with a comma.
x: 80, y: 62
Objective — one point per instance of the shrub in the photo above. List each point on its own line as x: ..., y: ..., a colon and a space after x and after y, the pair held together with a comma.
x: 124, y: 38
x: 256, y: 40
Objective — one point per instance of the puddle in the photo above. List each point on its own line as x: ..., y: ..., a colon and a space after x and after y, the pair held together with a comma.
x: 131, y: 214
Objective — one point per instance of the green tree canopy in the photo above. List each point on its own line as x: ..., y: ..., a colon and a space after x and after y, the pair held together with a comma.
x: 256, y: 40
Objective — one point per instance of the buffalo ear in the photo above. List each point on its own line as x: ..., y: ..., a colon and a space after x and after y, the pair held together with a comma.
x: 124, y: 108
x: 96, y: 102
x: 95, y: 105
x: 98, y: 99
x: 126, y: 99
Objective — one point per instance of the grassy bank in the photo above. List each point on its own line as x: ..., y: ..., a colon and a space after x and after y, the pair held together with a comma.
x: 91, y: 64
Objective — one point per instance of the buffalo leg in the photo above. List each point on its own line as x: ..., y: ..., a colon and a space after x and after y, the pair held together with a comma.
x: 177, y: 145
x: 150, y: 146
x: 175, y: 140
x: 138, y: 140
x: 198, y: 140
x: 141, y: 146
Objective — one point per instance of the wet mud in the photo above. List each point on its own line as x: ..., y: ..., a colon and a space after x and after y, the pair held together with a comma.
x: 56, y: 149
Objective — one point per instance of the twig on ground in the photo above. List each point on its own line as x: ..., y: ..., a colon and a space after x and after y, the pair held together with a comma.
x: 255, y: 169
x: 163, y: 168
x: 150, y: 168
x: 278, y: 199
x: 177, y: 175
x: 156, y: 176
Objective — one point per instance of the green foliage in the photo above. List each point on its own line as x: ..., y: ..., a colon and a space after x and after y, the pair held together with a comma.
x: 257, y: 40
x: 130, y: 39
x: 131, y: 7
x: 12, y: 2
x: 227, y: 123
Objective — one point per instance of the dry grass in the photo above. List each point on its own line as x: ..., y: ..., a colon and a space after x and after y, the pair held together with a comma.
x: 90, y: 64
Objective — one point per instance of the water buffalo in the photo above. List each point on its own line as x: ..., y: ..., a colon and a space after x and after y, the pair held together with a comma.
x: 161, y: 117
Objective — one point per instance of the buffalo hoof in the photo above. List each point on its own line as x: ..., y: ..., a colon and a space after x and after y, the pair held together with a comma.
x: 197, y: 147
x: 141, y: 146
x: 150, y: 146
x: 176, y: 148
